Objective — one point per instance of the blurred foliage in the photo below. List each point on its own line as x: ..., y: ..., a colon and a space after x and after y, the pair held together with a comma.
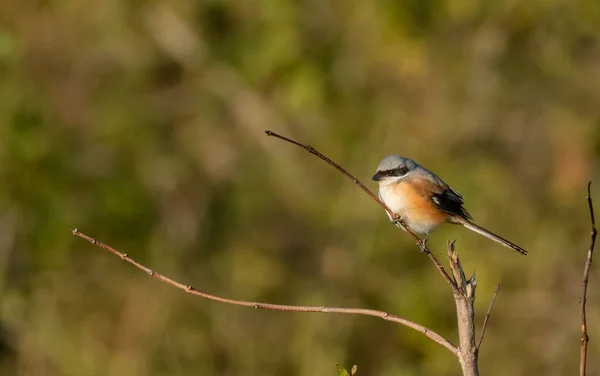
x: 141, y: 123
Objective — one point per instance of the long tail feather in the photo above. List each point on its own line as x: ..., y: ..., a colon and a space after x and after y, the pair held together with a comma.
x: 490, y: 235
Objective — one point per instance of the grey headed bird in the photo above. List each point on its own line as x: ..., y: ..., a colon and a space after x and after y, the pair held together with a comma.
x: 423, y: 200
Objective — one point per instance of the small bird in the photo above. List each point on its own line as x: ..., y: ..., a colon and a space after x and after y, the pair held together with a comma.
x: 423, y: 200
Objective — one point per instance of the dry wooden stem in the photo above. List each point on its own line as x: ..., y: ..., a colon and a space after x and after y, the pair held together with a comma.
x: 464, y: 297
x: 584, y: 284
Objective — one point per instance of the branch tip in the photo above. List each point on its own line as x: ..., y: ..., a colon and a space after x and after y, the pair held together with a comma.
x: 472, y: 279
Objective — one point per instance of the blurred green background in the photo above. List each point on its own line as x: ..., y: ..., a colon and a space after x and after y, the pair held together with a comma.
x: 141, y: 123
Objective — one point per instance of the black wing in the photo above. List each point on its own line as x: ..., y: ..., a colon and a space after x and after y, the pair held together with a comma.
x: 451, y: 201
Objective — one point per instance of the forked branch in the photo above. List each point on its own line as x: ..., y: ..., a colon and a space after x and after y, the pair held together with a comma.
x: 463, y: 289
x: 464, y: 297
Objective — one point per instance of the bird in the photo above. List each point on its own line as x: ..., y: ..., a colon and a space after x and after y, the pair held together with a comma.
x: 424, y: 201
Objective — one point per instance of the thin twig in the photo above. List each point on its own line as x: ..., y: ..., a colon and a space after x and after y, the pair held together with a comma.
x: 275, y: 307
x: 422, y: 244
x: 487, y: 315
x: 586, y: 274
x: 314, y: 151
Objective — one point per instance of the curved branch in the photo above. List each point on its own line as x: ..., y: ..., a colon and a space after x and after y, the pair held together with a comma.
x: 275, y: 307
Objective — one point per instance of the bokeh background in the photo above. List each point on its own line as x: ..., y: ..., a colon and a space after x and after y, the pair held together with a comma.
x: 141, y: 123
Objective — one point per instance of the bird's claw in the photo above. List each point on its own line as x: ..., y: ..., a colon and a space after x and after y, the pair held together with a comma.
x: 424, y: 243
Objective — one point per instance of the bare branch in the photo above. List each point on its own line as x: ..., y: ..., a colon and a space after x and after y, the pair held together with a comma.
x: 464, y: 297
x: 275, y: 307
x: 487, y: 315
x: 421, y: 243
x: 586, y: 274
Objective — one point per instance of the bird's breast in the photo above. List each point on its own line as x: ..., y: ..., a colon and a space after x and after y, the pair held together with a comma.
x: 413, y: 204
x: 396, y: 199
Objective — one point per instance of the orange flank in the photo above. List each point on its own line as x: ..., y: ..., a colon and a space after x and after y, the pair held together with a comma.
x: 418, y: 205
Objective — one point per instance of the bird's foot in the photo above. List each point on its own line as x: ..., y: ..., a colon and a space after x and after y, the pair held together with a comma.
x: 399, y: 222
x: 424, y: 243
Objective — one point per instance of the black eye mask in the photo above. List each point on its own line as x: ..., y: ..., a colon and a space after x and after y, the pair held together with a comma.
x: 400, y: 171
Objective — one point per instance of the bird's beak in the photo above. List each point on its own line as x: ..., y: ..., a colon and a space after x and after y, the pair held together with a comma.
x: 378, y: 176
